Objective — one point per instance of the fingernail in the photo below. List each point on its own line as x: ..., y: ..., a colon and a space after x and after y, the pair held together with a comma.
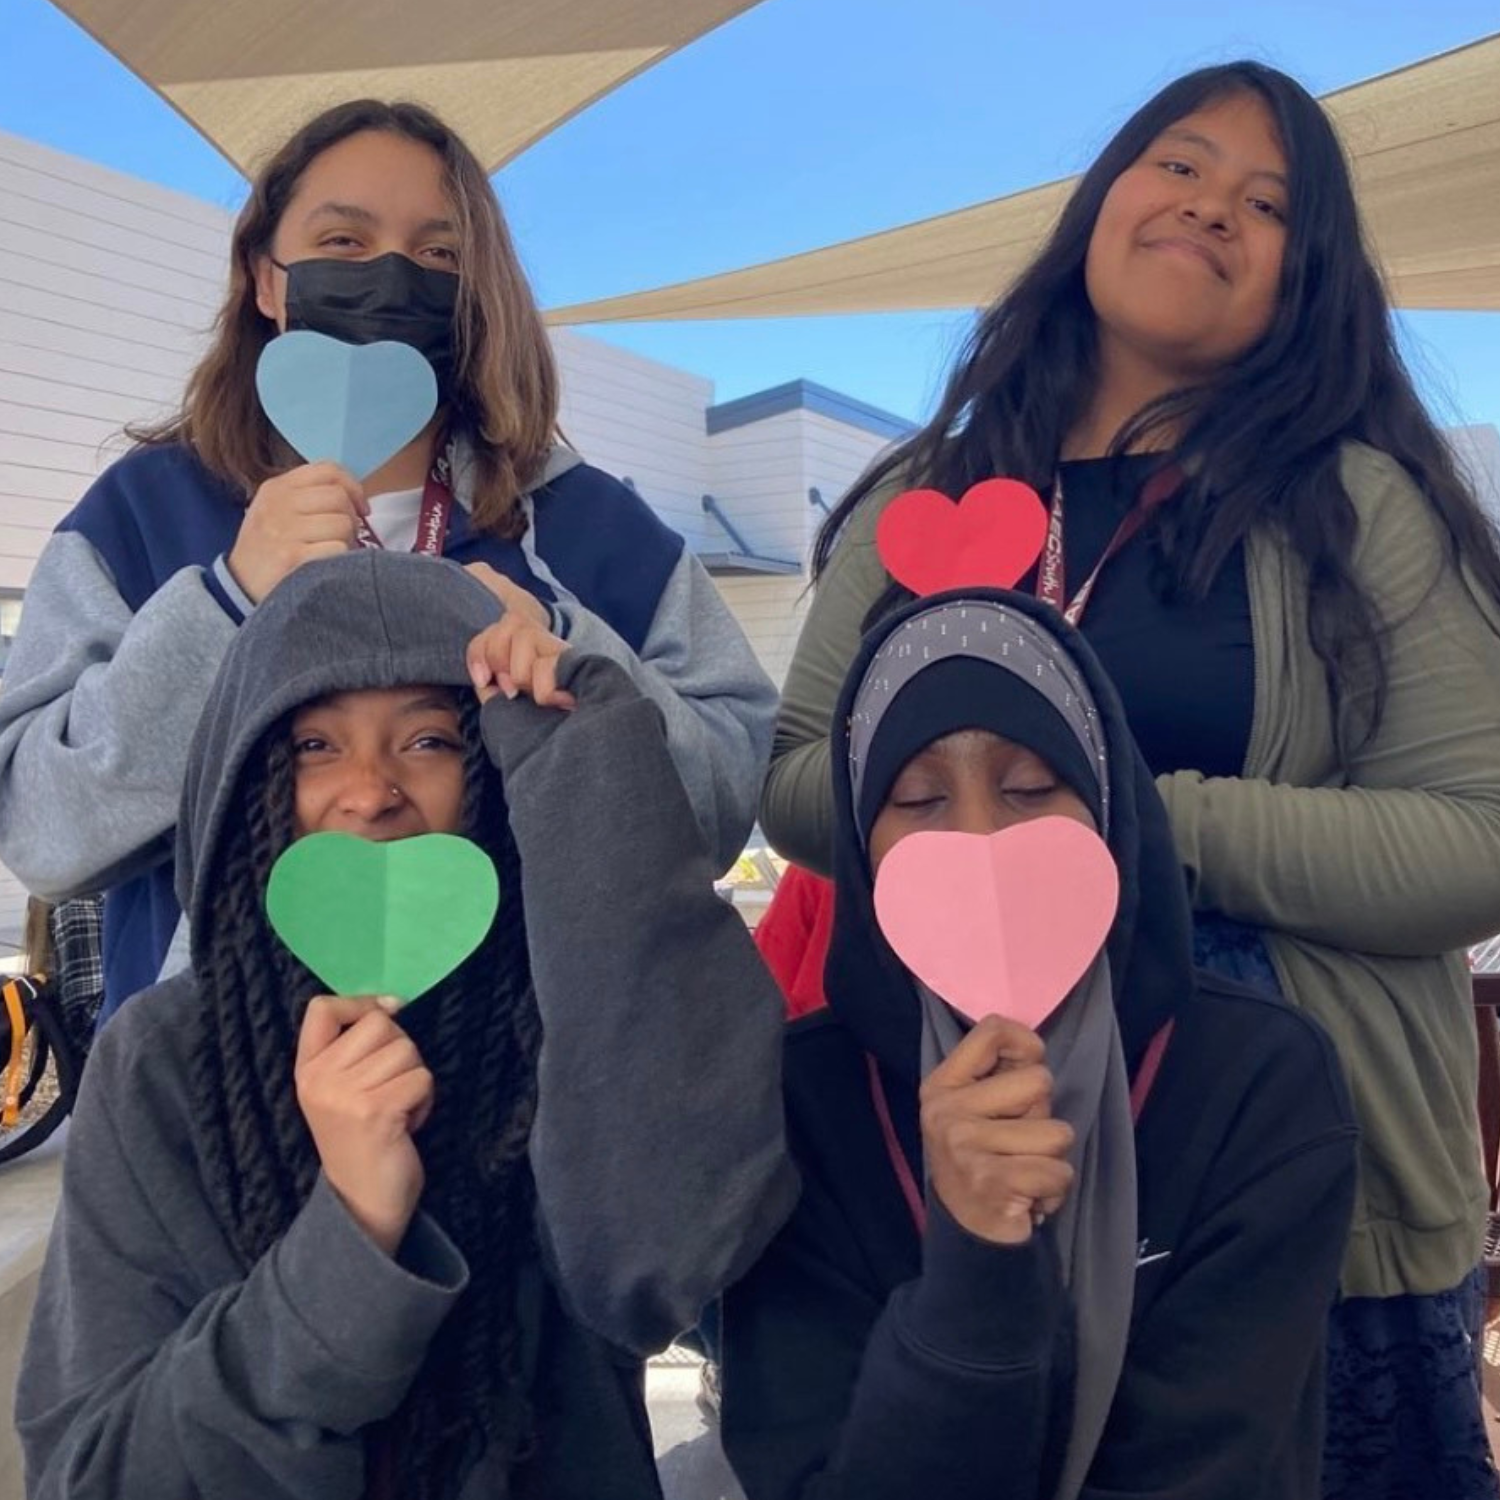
x: 506, y: 685
x: 388, y: 1003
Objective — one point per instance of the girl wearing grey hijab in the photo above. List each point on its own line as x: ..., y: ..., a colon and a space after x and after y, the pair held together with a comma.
x: 1091, y: 1260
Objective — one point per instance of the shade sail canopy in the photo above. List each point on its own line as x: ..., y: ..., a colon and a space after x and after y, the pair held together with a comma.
x: 1425, y: 143
x: 503, y: 73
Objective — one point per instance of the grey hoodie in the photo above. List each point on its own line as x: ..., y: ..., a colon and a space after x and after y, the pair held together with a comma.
x: 159, y: 1365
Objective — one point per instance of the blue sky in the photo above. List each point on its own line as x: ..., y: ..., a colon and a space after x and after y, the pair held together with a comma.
x: 808, y: 121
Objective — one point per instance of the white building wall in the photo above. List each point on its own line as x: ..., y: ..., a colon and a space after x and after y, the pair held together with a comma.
x: 107, y: 286
x: 836, y: 455
x: 758, y: 474
x: 634, y: 417
x: 770, y: 611
x: 762, y: 473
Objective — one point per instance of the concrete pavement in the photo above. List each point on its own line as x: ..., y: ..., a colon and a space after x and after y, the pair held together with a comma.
x: 688, y: 1456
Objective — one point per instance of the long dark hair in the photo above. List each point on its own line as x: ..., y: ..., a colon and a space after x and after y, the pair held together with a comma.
x: 505, y: 396
x: 1261, y: 437
x: 478, y: 1032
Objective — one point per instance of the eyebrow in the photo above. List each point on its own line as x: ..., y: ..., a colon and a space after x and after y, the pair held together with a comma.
x: 1214, y: 149
x: 352, y: 211
x: 343, y: 211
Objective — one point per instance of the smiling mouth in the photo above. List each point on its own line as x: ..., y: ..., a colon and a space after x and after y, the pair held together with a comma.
x: 1192, y: 248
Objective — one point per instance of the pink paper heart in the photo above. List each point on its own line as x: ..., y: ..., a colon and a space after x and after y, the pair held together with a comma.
x: 1004, y: 924
x: 988, y: 540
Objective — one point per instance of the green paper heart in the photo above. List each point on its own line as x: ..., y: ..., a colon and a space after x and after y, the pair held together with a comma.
x: 382, y: 919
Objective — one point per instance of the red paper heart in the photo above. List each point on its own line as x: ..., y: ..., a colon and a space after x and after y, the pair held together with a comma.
x: 1000, y: 925
x: 988, y: 540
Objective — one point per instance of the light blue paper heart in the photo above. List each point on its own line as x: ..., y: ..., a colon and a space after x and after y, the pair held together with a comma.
x: 357, y: 404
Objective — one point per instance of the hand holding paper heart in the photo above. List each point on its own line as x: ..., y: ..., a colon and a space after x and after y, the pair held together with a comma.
x: 355, y: 404
x: 364, y: 1092
x: 1000, y: 925
x: 309, y: 512
x: 988, y: 540
x: 995, y: 1155
x: 382, y: 919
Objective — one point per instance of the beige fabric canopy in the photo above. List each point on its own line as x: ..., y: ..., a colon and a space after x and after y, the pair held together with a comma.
x: 501, y: 72
x: 1425, y: 142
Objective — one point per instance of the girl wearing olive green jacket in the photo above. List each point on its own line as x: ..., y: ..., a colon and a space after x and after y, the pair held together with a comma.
x: 1305, y: 632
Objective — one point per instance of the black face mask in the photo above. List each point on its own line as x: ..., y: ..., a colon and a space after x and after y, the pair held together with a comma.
x: 365, y: 301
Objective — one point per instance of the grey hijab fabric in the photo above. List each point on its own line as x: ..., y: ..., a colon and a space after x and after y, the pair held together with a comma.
x: 1095, y: 1231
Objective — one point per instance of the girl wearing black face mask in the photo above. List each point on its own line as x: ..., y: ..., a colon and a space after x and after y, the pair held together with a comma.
x: 374, y: 222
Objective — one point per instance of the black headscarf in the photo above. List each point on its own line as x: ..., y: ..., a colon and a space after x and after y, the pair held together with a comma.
x: 1150, y: 944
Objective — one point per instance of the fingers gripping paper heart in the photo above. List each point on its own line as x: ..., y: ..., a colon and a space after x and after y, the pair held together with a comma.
x: 1004, y: 924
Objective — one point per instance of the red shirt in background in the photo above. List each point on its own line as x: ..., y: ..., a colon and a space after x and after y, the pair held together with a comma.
x: 793, y: 938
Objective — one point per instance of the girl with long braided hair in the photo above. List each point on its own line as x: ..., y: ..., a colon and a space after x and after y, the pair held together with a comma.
x: 477, y: 1034
x: 320, y: 1246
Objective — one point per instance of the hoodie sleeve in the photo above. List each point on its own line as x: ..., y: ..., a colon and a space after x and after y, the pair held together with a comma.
x: 1401, y: 861
x: 796, y: 808
x: 96, y: 713
x: 717, y: 703
x: 658, y: 1146
x: 143, y: 1378
x: 947, y: 1388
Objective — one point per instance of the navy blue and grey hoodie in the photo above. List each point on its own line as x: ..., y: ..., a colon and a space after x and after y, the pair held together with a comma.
x: 131, y: 609
x: 160, y: 1364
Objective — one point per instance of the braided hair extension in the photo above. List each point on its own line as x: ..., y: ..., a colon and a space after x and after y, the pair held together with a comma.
x: 259, y: 1160
x: 479, y: 1033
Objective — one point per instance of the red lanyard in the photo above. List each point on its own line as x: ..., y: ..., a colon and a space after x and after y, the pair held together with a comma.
x: 1049, y: 579
x: 909, y: 1189
x: 436, y: 512
x: 1140, y: 1091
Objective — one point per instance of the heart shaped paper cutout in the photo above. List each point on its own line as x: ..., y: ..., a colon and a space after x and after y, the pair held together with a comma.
x: 382, y: 919
x: 357, y: 404
x: 988, y: 540
x: 1004, y: 924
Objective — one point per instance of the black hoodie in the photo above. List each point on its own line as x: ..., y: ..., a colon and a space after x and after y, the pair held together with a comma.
x: 862, y: 1360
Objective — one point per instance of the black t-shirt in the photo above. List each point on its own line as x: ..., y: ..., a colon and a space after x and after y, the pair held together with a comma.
x: 1185, y: 672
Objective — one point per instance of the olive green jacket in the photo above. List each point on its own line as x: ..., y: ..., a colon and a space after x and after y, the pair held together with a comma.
x: 1369, y: 882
